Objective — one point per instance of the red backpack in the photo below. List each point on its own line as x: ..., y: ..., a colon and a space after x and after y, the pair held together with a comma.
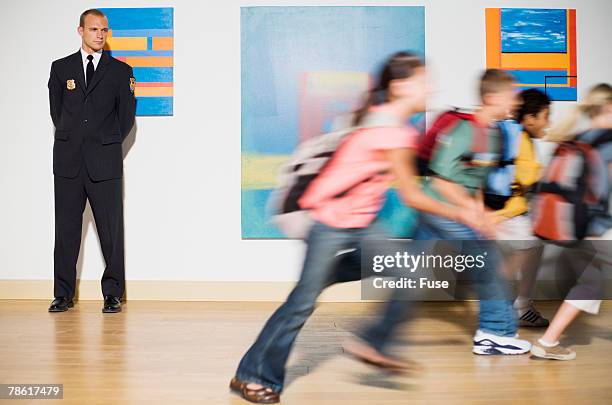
x: 444, y: 124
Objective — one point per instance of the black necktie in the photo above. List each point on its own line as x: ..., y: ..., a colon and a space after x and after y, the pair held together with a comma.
x: 90, y: 70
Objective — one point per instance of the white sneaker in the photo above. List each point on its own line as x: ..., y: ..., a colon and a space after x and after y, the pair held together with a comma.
x: 488, y: 343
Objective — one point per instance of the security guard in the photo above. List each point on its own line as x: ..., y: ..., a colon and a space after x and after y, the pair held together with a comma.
x: 92, y: 101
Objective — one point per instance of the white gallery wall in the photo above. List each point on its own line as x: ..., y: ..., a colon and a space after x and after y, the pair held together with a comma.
x: 182, y: 173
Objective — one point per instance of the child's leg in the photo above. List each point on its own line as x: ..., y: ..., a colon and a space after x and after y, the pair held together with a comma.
x: 264, y: 363
x: 548, y: 346
x: 563, y: 318
x: 497, y: 319
x: 524, y: 260
x: 528, y: 261
x: 582, y: 297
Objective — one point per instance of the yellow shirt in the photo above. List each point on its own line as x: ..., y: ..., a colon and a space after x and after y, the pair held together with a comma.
x: 526, y: 174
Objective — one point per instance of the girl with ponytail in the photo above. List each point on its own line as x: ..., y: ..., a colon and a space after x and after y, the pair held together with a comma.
x: 344, y: 200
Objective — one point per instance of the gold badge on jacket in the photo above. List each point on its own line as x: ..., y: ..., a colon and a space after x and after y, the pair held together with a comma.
x: 132, y: 84
x: 70, y: 84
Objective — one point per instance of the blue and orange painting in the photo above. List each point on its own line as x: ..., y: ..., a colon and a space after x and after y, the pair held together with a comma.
x: 144, y: 39
x: 534, y: 30
x: 537, y: 46
x: 302, y: 69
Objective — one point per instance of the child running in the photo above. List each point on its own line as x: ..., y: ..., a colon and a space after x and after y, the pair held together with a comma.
x: 345, y: 200
x: 512, y: 213
x: 459, y: 167
x: 587, y: 258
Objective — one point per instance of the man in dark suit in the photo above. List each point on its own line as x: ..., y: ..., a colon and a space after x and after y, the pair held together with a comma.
x: 91, y: 95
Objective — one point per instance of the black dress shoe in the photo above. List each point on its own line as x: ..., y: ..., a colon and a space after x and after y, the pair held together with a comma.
x: 61, y: 304
x: 111, y: 304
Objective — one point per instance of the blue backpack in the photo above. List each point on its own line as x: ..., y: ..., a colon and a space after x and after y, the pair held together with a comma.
x: 501, y: 177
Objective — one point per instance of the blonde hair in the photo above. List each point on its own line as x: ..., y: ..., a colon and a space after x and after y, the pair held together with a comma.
x: 493, y: 81
x: 598, y: 97
x: 91, y: 11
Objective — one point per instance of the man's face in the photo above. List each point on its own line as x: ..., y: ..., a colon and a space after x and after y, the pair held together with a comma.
x: 94, y: 33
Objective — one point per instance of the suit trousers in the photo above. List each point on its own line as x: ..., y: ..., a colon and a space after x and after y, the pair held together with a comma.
x: 106, y: 201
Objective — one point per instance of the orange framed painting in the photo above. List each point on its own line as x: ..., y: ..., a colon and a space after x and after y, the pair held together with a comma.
x: 537, y: 46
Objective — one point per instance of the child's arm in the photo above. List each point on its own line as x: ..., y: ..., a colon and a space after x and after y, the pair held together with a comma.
x: 446, y: 165
x: 457, y: 195
x: 453, y: 192
x: 403, y: 166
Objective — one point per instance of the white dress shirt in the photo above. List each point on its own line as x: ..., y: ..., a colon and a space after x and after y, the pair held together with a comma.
x: 96, y: 59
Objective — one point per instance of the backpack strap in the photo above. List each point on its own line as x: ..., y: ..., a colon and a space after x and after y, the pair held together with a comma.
x: 510, y: 132
x: 376, y: 119
x: 480, y: 141
x: 442, y: 124
x: 591, y: 146
x: 601, y: 139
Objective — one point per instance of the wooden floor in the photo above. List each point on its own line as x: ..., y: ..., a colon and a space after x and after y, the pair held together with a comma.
x: 186, y: 352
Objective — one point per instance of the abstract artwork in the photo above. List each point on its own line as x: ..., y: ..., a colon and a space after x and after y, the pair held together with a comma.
x: 144, y: 39
x: 537, y: 46
x: 302, y: 70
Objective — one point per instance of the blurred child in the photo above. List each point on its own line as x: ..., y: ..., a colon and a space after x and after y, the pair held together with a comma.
x: 511, y: 205
x: 344, y: 199
x: 590, y: 257
x: 459, y: 165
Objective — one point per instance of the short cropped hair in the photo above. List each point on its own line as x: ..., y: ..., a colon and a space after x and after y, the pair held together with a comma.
x: 532, y: 102
x: 494, y: 80
x: 91, y: 11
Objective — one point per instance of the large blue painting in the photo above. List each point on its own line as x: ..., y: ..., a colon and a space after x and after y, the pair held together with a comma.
x: 302, y: 68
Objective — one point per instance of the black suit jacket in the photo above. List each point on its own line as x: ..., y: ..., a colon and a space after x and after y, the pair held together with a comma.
x: 90, y: 123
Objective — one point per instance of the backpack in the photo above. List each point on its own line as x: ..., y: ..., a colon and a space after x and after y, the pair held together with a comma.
x: 443, y: 125
x: 500, y: 181
x: 573, y: 190
x: 306, y: 163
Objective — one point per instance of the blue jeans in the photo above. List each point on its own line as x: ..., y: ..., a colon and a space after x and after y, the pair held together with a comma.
x: 381, y: 333
x: 496, y: 313
x: 264, y: 363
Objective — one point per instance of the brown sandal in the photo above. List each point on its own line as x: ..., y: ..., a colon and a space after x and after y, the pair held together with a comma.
x: 263, y: 395
x: 237, y: 385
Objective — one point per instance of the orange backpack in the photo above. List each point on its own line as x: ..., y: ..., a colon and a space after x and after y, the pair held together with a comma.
x: 574, y: 188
